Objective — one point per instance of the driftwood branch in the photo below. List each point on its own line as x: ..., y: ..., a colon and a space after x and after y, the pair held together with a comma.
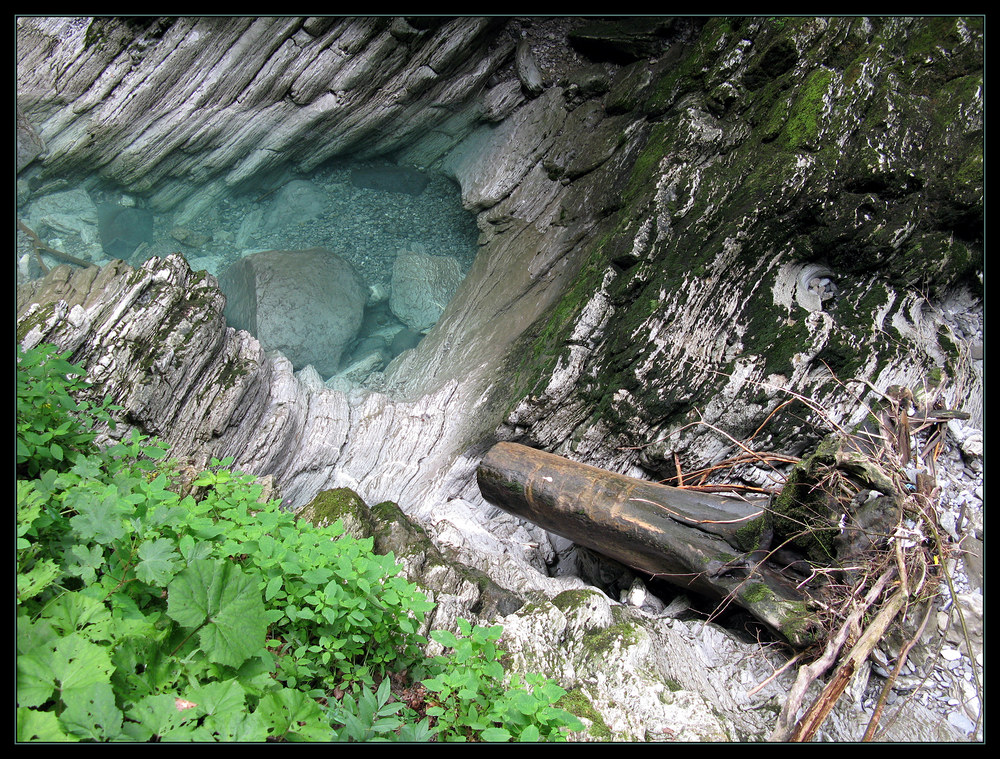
x: 39, y: 247
x: 820, y: 710
x: 713, y: 545
x: 901, y: 660
x: 807, y: 674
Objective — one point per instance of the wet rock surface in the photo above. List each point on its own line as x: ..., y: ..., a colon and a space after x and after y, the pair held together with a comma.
x: 295, y: 204
x: 68, y: 215
x: 390, y: 179
x: 308, y: 304
x: 636, y: 302
x: 422, y: 285
x: 123, y: 229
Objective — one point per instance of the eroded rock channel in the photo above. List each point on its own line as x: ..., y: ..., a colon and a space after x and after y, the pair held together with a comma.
x: 650, y: 242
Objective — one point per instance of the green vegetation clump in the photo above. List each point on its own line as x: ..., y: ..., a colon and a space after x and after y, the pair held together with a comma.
x: 143, y: 615
x: 577, y: 702
x: 750, y: 536
x: 804, y: 120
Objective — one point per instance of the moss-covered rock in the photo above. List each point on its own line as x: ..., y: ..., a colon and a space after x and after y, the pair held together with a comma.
x: 340, y: 504
x: 774, y: 145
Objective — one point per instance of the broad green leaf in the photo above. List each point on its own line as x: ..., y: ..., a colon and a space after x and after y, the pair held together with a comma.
x: 292, y: 715
x: 435, y: 685
x: 35, y: 680
x: 493, y: 669
x: 316, y: 575
x: 87, y: 467
x: 160, y: 714
x: 144, y: 668
x: 224, y: 604
x: 99, y: 516
x: 84, y: 561
x: 71, y: 667
x: 78, y: 664
x: 529, y: 734
x: 29, y: 505
x: 233, y: 727
x: 524, y: 702
x: 495, y: 735
x: 157, y: 562
x: 165, y: 514
x: 34, y: 635
x: 72, y: 612
x: 273, y: 586
x: 91, y: 713
x: 193, y: 550
x: 218, y: 698
x: 445, y: 638
x: 40, y: 726
x: 35, y: 580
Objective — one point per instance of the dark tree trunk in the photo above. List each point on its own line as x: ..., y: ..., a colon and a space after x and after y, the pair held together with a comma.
x: 714, y: 545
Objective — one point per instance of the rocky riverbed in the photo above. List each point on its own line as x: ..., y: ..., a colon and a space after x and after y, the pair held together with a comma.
x: 361, y: 212
x: 688, y: 234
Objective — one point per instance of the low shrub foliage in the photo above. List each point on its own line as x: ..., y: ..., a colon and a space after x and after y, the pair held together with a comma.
x: 148, y: 615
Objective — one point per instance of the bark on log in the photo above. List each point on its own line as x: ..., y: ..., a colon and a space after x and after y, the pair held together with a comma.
x: 711, y: 544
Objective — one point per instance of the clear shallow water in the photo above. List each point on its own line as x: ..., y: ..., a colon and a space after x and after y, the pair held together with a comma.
x: 366, y: 226
x: 369, y: 227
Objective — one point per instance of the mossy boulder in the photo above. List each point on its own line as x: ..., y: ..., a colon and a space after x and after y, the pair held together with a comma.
x: 340, y: 504
x: 810, y: 511
x: 392, y: 532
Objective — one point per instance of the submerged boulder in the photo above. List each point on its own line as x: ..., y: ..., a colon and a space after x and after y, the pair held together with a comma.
x: 422, y: 285
x: 297, y: 202
x: 70, y: 213
x: 123, y: 229
x: 308, y: 304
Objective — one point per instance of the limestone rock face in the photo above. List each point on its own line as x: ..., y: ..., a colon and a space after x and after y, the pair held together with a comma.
x: 308, y: 304
x: 144, y: 334
x: 184, y: 107
x: 422, y: 285
x: 772, y: 249
x: 771, y: 210
x: 491, y: 163
x: 29, y: 144
x: 527, y: 69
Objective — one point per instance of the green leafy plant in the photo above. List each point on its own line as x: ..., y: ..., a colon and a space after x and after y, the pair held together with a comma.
x: 472, y: 699
x: 146, y: 615
x: 48, y: 433
x: 373, y: 716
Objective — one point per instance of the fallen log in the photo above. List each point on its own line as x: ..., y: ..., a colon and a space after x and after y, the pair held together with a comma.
x: 711, y: 544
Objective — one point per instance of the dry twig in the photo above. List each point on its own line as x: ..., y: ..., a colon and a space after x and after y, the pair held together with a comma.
x: 810, y: 672
x: 900, y: 661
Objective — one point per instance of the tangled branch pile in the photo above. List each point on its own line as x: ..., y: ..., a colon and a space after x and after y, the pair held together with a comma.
x: 864, y: 510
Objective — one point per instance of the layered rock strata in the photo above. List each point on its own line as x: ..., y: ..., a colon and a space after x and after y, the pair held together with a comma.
x: 766, y: 221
